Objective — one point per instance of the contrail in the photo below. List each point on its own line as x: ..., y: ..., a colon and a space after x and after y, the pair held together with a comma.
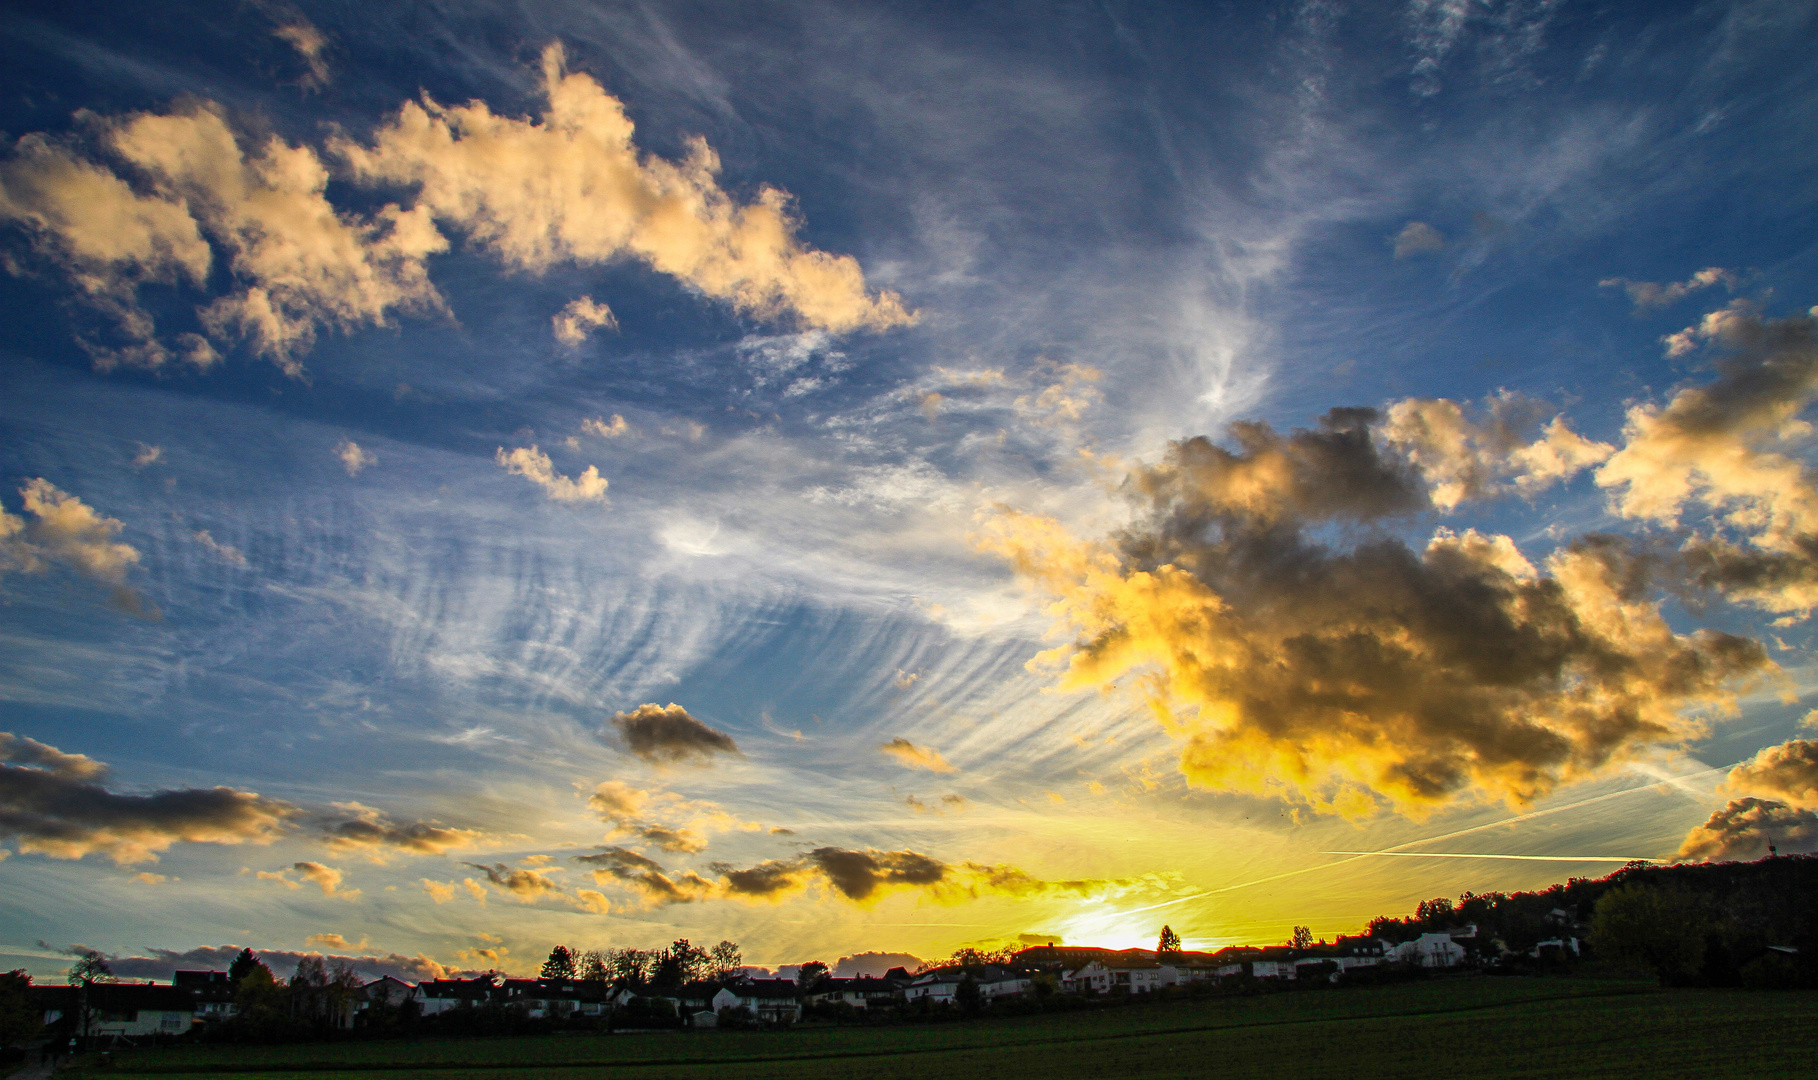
x: 1397, y: 849
x: 1479, y: 855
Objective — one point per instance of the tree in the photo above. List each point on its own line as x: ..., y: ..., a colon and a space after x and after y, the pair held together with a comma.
x: 243, y: 966
x: 560, y: 964
x: 725, y: 960
x: 1303, y: 937
x: 1664, y: 929
x: 20, y: 1017
x: 968, y: 996
x: 90, y: 968
x: 811, y: 973
x: 593, y: 967
x: 630, y: 966
x: 1438, y: 909
x: 1170, y: 941
x: 689, y: 961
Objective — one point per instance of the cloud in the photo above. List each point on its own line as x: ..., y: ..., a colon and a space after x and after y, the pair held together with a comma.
x: 1786, y: 773
x: 579, y: 319
x: 1648, y: 294
x: 372, y: 833
x: 1418, y: 238
x: 535, y: 466
x: 353, y: 458
x: 685, y: 841
x: 916, y: 757
x: 326, y: 878
x: 527, y: 885
x: 147, y: 455
x: 873, y: 964
x: 146, y: 877
x: 50, y: 804
x: 630, y: 812
x: 668, y: 735
x: 439, y: 891
x: 163, y: 962
x: 298, y: 262
x: 1743, y: 830
x: 1368, y: 672
x: 105, y: 237
x: 1728, y: 449
x: 1466, y: 457
x: 65, y: 531
x: 227, y: 553
x: 645, y: 877
x: 571, y: 187
x: 605, y: 429
x: 301, y: 35
x: 333, y: 941
x: 950, y: 801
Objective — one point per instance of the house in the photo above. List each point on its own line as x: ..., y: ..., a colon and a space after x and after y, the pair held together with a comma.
x: 771, y: 1001
x: 117, y: 1012
x: 212, y: 991
x: 1128, y: 975
x: 1431, y: 951
x: 388, y: 992
x: 859, y: 993
x: 445, y: 995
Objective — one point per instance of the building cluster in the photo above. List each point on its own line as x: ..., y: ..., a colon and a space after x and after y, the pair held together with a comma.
x: 136, y: 1012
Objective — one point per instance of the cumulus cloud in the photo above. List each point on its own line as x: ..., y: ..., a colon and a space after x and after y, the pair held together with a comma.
x: 535, y: 466
x: 106, y: 238
x: 605, y: 429
x: 1727, y: 450
x: 668, y: 735
x: 163, y: 962
x: 1418, y: 238
x: 1743, y: 830
x: 662, y: 818
x: 527, y: 885
x: 858, y: 875
x: 571, y: 186
x: 333, y: 941
x: 227, y: 553
x: 62, y: 530
x: 353, y: 458
x: 912, y: 756
x: 299, y: 263
x: 1371, y: 672
x: 1465, y: 455
x: 52, y: 804
x: 1785, y: 773
x: 577, y: 321
x: 308, y: 42
x: 372, y: 833
x: 326, y: 878
x: 439, y: 891
x: 1650, y: 294
x: 873, y: 964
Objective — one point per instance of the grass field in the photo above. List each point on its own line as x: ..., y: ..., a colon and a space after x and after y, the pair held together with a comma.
x: 1453, y: 1028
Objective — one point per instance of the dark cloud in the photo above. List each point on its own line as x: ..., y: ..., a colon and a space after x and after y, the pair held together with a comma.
x: 50, y: 805
x: 683, y: 841
x: 1297, y: 648
x: 526, y: 885
x: 873, y: 964
x: 859, y: 874
x: 619, y: 860
x: 767, y: 880
x: 1744, y: 829
x: 371, y: 831
x: 647, y: 878
x: 162, y: 962
x: 668, y: 735
x: 1787, y: 773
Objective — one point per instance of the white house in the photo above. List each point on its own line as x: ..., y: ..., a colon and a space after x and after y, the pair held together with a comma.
x: 1430, y: 950
x: 771, y: 1001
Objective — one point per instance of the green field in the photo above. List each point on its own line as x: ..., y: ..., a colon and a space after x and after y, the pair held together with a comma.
x: 1450, y: 1028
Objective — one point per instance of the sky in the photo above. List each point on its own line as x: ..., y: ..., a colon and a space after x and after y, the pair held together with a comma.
x: 864, y: 480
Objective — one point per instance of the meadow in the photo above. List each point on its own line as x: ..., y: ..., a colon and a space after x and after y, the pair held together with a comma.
x: 1453, y: 1028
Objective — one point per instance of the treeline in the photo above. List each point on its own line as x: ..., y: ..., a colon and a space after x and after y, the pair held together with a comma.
x: 1701, y: 924
x: 680, y: 963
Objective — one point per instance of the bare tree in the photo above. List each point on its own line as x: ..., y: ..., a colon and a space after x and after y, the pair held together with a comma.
x: 725, y: 960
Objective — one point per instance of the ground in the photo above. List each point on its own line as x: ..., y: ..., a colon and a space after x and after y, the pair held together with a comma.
x: 1452, y: 1028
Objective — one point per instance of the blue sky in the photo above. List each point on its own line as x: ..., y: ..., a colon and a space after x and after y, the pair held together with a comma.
x: 863, y: 288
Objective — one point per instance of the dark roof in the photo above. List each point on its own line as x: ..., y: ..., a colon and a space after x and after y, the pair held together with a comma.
x: 897, y: 974
x: 764, y: 988
x: 194, y: 980
x: 118, y: 997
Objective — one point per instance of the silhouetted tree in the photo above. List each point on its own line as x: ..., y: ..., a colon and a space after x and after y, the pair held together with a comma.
x: 20, y: 1017
x: 1170, y: 941
x: 811, y: 973
x: 560, y: 964
x: 1663, y: 928
x: 968, y: 996
x: 633, y: 967
x: 90, y: 968
x: 724, y: 960
x: 593, y: 967
x: 1303, y: 937
x: 243, y: 966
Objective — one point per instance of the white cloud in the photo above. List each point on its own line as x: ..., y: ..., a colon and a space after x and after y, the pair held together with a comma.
x: 352, y: 457
x: 534, y: 465
x: 579, y: 319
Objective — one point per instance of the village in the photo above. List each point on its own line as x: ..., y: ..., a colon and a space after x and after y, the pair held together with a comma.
x: 677, y: 989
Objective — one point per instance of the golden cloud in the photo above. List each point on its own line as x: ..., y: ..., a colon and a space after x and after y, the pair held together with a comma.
x: 572, y: 187
x: 916, y: 757
x: 1351, y: 677
x: 51, y: 804
x: 1746, y: 827
x: 1785, y: 773
x: 534, y: 465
